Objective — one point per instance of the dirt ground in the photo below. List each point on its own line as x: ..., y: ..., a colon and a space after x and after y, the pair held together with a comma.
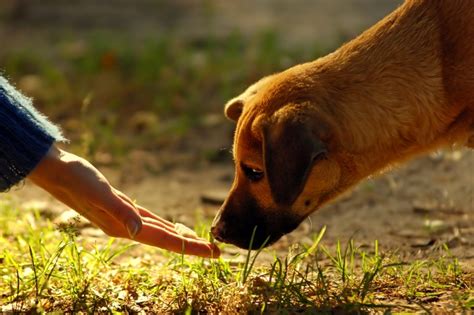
x: 413, y: 209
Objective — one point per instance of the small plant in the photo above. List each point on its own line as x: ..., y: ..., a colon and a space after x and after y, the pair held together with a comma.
x: 44, y: 268
x: 250, y: 259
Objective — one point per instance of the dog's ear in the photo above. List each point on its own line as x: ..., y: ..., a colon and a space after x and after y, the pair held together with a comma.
x: 289, y: 150
x: 233, y: 108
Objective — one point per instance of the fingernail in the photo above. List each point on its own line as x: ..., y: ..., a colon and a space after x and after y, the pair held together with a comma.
x: 133, y: 227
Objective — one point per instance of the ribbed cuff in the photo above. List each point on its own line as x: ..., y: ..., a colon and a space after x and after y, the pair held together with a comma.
x: 25, y: 136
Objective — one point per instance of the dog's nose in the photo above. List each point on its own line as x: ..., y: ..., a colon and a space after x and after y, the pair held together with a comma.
x: 217, y: 228
x: 218, y: 232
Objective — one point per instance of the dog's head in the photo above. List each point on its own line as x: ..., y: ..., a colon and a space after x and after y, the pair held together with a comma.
x: 284, y: 169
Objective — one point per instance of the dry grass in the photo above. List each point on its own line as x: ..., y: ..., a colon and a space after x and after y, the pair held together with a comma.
x: 46, y: 268
x: 109, y: 98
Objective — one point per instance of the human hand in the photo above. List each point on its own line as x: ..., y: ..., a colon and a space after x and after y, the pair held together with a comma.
x: 78, y: 184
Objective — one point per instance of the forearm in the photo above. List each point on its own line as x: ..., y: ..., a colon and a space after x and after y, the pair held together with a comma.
x: 61, y: 171
x: 71, y: 179
x: 56, y: 174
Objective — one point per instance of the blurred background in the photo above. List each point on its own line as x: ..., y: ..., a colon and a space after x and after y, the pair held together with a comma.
x: 149, y: 74
x: 139, y: 88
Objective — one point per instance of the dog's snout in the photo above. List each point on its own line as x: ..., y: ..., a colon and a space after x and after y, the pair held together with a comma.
x: 218, y: 228
x: 218, y: 231
x: 234, y: 226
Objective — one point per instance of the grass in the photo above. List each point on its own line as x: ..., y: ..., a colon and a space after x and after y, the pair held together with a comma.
x: 48, y: 268
x: 112, y: 96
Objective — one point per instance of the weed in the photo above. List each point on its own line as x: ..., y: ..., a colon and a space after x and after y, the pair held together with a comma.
x: 250, y: 260
x: 44, y: 268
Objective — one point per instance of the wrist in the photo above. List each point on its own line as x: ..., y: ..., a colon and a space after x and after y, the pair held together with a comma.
x: 47, y: 174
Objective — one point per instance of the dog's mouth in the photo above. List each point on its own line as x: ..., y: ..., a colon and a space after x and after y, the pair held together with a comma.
x: 258, y: 241
x: 255, y: 243
x: 256, y: 237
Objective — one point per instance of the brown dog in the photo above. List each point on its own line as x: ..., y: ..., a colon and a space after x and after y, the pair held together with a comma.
x: 305, y: 135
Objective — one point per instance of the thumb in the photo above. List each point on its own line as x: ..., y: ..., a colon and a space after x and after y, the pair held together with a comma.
x: 123, y: 209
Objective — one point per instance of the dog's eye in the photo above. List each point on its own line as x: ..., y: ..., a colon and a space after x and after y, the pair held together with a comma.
x: 252, y: 174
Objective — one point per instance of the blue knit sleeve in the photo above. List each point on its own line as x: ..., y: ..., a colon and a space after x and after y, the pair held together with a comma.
x: 25, y: 136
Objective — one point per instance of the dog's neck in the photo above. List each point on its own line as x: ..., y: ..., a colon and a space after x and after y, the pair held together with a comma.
x: 385, y: 91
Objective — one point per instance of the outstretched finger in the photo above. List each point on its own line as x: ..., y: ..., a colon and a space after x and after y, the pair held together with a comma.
x: 150, y: 217
x: 179, y: 228
x: 148, y: 214
x: 155, y: 236
x: 176, y: 228
x: 145, y: 214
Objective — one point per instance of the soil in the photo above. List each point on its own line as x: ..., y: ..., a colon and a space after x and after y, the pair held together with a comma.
x: 412, y: 210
